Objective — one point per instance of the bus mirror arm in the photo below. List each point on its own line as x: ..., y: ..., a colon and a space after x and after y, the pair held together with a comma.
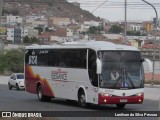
x: 99, y: 66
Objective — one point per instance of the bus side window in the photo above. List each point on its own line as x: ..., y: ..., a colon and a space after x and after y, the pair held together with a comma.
x: 92, y: 68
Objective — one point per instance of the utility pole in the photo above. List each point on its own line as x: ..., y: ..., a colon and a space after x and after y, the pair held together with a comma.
x: 154, y: 49
x: 125, y: 22
x: 1, y: 9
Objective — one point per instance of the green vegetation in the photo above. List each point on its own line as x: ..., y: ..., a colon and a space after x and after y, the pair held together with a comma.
x: 133, y: 33
x: 116, y: 29
x: 12, y: 61
x: 32, y: 40
x: 94, y: 29
x: 48, y: 30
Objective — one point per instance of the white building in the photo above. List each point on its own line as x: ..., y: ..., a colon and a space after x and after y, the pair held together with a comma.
x: 91, y: 23
x: 24, y: 32
x: 32, y: 33
x: 113, y: 36
x: 29, y: 32
x: 87, y: 24
x: 35, y: 21
x: 14, y: 19
x: 40, y: 22
x: 134, y: 27
x: 10, y: 34
x: 17, y: 34
x: 69, y: 32
x: 59, y: 39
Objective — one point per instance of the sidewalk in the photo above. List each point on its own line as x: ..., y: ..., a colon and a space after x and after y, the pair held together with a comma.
x: 152, y: 86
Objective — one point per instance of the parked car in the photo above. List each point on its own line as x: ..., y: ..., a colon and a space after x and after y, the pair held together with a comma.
x: 16, y: 80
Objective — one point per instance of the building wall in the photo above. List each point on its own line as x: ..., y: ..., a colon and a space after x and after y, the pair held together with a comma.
x: 58, y: 20
x: 69, y: 32
x: 17, y: 35
x: 61, y: 39
x: 39, y: 22
x: 91, y: 23
x: 3, y: 31
x: 24, y: 32
x: 10, y: 34
x: 148, y: 27
x: 32, y: 33
x: 15, y: 19
x: 134, y: 27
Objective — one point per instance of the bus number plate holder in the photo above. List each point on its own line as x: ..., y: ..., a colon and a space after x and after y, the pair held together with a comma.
x: 123, y: 100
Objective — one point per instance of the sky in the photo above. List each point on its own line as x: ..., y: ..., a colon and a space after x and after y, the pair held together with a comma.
x: 113, y: 10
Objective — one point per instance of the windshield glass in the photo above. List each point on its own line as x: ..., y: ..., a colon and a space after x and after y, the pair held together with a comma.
x: 121, y: 70
x: 20, y: 76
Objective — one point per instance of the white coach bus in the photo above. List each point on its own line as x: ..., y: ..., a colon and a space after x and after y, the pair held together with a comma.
x: 82, y: 71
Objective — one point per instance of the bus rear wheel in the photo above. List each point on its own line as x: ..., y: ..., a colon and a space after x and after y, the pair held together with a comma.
x: 82, y: 99
x: 42, y: 97
x: 120, y: 106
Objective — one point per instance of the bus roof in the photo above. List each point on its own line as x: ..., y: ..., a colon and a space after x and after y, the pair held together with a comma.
x: 92, y: 44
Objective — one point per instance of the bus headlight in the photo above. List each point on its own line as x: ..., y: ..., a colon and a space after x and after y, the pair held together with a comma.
x: 105, y: 94
x: 139, y: 94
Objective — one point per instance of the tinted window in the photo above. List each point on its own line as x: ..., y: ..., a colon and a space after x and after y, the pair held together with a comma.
x: 75, y: 58
x: 123, y: 56
x: 92, y: 67
x: 20, y: 76
x: 72, y: 58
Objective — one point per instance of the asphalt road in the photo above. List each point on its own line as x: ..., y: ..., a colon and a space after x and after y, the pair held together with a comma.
x: 14, y: 100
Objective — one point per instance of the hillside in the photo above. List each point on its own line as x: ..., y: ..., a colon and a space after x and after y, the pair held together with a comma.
x: 60, y: 8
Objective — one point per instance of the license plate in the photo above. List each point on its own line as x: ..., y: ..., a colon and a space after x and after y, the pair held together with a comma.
x: 123, y: 100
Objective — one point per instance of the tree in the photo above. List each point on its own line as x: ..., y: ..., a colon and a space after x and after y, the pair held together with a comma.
x: 40, y: 30
x: 14, y: 12
x: 133, y: 33
x: 116, y: 29
x: 34, y: 40
x: 92, y: 29
x: 26, y: 40
x: 48, y: 30
x: 4, y: 11
x: 12, y: 60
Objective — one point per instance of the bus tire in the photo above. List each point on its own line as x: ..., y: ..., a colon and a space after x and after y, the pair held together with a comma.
x: 82, y: 99
x: 120, y: 106
x: 42, y: 97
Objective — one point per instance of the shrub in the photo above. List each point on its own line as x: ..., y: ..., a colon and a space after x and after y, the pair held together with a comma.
x: 12, y: 61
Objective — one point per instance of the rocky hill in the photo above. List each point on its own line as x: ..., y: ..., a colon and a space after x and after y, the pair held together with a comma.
x: 48, y: 8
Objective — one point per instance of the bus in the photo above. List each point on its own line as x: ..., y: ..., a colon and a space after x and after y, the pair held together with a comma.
x: 81, y: 71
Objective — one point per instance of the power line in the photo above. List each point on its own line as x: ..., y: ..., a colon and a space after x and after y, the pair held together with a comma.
x: 99, y: 6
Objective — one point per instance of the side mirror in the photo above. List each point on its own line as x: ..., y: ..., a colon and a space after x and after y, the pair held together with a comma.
x: 99, y: 66
x: 150, y: 64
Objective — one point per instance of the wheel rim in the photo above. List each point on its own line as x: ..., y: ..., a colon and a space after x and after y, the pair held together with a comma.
x: 39, y: 93
x: 83, y: 99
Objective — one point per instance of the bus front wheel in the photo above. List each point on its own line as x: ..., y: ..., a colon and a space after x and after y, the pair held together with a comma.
x: 82, y: 99
x: 42, y: 97
x: 120, y: 106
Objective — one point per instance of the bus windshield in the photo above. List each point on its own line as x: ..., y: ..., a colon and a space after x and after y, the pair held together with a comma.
x: 121, y: 70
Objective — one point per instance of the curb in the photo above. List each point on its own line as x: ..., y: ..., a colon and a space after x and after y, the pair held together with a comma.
x: 152, y: 86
